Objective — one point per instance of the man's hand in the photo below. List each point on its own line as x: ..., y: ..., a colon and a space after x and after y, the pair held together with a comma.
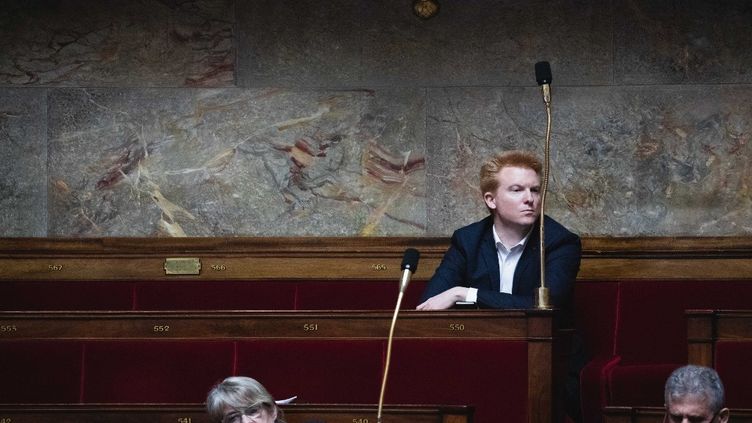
x: 444, y: 300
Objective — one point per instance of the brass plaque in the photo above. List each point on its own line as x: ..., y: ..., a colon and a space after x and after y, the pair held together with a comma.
x: 182, y: 266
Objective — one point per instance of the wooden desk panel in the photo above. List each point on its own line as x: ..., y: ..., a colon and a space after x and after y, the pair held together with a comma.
x: 513, y: 325
x: 722, y: 339
x: 361, y: 258
x: 535, y: 328
x: 706, y: 327
x: 294, y: 413
x: 304, y: 413
x: 655, y: 415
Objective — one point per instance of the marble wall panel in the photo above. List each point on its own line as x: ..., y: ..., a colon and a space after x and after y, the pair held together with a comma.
x: 23, y: 162
x: 353, y: 113
x: 628, y: 161
x: 489, y: 42
x: 308, y: 43
x: 117, y: 43
x: 300, y: 43
x: 181, y: 162
x: 466, y: 126
x: 688, y: 41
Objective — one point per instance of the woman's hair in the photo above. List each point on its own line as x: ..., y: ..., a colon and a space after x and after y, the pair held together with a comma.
x: 239, y: 392
x: 695, y: 380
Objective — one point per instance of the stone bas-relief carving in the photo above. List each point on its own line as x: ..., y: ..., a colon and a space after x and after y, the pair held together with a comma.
x: 236, y: 162
x: 117, y: 43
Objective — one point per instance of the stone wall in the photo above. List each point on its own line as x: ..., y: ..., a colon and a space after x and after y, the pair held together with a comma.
x: 356, y: 118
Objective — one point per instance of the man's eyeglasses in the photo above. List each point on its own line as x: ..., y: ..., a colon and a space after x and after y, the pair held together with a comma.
x: 253, y: 412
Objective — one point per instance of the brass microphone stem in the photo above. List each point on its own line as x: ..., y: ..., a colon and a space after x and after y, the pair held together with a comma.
x: 542, y: 296
x: 388, y: 355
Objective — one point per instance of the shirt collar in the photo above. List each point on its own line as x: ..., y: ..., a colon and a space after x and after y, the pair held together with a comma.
x: 499, y: 244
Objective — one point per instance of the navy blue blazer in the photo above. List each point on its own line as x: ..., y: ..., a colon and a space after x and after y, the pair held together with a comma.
x: 472, y: 261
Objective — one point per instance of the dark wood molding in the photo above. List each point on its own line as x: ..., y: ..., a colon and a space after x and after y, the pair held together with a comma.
x: 537, y: 328
x: 366, y: 258
x: 613, y: 414
x: 195, y: 413
x: 358, y: 246
x: 706, y: 327
x: 331, y: 325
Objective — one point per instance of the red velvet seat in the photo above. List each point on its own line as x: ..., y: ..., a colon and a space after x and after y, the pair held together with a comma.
x: 40, y: 371
x: 634, y: 384
x: 154, y: 371
x: 205, y: 295
x: 215, y: 295
x: 732, y: 362
x: 489, y: 374
x: 652, y: 332
x: 356, y: 295
x: 650, y: 338
x: 66, y: 295
x: 595, y: 305
x: 316, y: 371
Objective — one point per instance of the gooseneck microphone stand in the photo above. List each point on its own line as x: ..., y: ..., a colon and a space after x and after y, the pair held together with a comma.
x: 409, y: 266
x: 543, y: 76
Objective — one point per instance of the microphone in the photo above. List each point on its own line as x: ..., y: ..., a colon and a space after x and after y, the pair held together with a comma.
x: 543, y: 76
x: 409, y: 266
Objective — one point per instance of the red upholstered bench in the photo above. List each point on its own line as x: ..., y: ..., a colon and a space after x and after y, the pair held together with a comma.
x: 356, y: 295
x: 722, y: 339
x: 215, y: 295
x: 345, y: 371
x: 153, y: 371
x: 65, y: 295
x: 629, y: 302
x: 182, y: 371
x: 732, y: 362
x: 649, y: 335
x: 470, y: 373
x: 652, y: 332
x: 40, y: 371
x: 595, y: 305
x: 273, y: 295
x: 499, y: 362
x: 181, y: 294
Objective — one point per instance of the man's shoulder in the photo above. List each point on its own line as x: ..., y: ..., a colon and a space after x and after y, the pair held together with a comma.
x: 558, y: 230
x: 475, y: 229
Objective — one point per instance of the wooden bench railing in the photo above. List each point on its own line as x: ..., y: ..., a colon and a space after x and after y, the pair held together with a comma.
x: 196, y: 413
x: 604, y: 258
x: 333, y: 273
x: 722, y: 339
x: 656, y: 415
x: 485, y: 324
x: 705, y: 328
x: 271, y: 345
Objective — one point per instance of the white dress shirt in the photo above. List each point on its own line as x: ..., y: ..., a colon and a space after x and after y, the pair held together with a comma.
x: 508, y: 259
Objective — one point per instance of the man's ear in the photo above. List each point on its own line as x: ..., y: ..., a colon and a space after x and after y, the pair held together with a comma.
x: 723, y: 415
x: 490, y: 200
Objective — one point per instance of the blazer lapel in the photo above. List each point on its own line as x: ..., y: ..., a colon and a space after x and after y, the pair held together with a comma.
x: 491, y: 258
x: 530, y: 257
